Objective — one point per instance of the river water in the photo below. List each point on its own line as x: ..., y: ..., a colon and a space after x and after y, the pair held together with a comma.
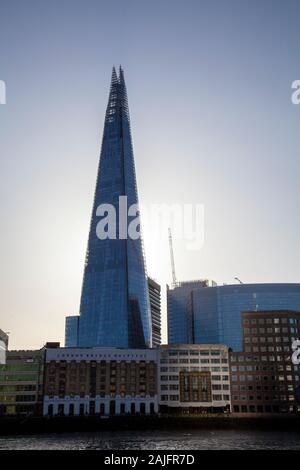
x: 155, y: 440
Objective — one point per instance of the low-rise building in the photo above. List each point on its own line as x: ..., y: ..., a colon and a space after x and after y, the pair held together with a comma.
x: 21, y: 383
x: 193, y: 378
x: 100, y: 381
x: 263, y: 376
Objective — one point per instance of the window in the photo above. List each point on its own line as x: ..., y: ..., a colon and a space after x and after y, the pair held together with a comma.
x: 216, y: 377
x: 217, y: 397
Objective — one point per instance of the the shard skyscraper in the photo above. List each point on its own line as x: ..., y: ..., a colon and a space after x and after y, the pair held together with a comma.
x: 115, y: 307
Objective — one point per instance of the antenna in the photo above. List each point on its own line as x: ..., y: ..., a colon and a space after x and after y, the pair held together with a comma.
x: 172, y: 259
x: 237, y: 279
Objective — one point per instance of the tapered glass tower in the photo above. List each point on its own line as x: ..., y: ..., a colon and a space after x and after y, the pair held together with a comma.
x: 115, y: 307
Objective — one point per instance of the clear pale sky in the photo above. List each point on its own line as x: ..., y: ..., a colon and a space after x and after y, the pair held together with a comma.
x: 209, y: 85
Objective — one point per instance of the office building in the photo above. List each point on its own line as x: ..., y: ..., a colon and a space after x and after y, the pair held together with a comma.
x: 193, y: 379
x: 21, y: 383
x: 100, y: 381
x: 263, y: 376
x: 115, y: 306
x: 155, y: 307
x: 180, y: 311
x: 71, y: 331
x: 213, y: 314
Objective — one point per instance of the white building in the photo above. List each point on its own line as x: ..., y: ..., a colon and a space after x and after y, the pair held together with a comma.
x: 193, y: 378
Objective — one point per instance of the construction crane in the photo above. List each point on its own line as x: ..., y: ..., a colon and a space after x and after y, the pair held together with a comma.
x: 172, y: 259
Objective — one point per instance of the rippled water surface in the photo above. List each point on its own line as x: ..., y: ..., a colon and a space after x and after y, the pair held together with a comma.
x: 156, y: 440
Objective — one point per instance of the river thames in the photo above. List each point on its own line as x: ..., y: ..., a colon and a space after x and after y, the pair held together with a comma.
x: 155, y: 440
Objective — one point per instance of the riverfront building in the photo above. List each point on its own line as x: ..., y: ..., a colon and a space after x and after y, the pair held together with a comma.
x: 263, y: 376
x: 194, y: 379
x: 102, y: 381
x: 21, y: 383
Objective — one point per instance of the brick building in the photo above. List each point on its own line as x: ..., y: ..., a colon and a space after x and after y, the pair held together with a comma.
x: 263, y: 377
x: 104, y: 381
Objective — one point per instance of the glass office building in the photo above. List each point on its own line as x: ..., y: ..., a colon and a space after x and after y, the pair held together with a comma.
x: 71, y: 331
x: 115, y: 307
x: 213, y: 314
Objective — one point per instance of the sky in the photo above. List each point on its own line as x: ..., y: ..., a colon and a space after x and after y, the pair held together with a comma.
x: 209, y: 87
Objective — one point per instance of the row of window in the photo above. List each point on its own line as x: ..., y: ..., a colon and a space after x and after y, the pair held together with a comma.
x: 269, y: 339
x: 174, y: 387
x: 270, y: 321
x: 261, y: 408
x: 258, y: 378
x: 194, y: 361
x: 215, y: 397
x: 91, y: 409
x: 19, y: 367
x: 165, y: 378
x: 282, y: 398
x: 270, y: 330
x: 252, y: 358
x: 259, y: 388
x: 195, y: 352
x: 264, y: 349
x: 17, y: 398
x: 251, y: 368
x: 203, y: 369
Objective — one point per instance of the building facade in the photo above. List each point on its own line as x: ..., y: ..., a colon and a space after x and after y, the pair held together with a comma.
x: 115, y: 307
x: 21, y: 383
x: 212, y: 315
x: 100, y: 381
x: 180, y: 311
x: 3, y: 346
x: 263, y: 376
x: 72, y: 331
x: 193, y: 379
x: 155, y: 307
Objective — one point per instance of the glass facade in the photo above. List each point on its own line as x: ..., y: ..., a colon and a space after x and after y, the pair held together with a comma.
x: 180, y: 328
x: 115, y: 307
x: 213, y: 314
x: 71, y: 331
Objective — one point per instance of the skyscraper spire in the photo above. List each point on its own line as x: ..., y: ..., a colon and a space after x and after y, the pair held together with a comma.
x: 115, y: 308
